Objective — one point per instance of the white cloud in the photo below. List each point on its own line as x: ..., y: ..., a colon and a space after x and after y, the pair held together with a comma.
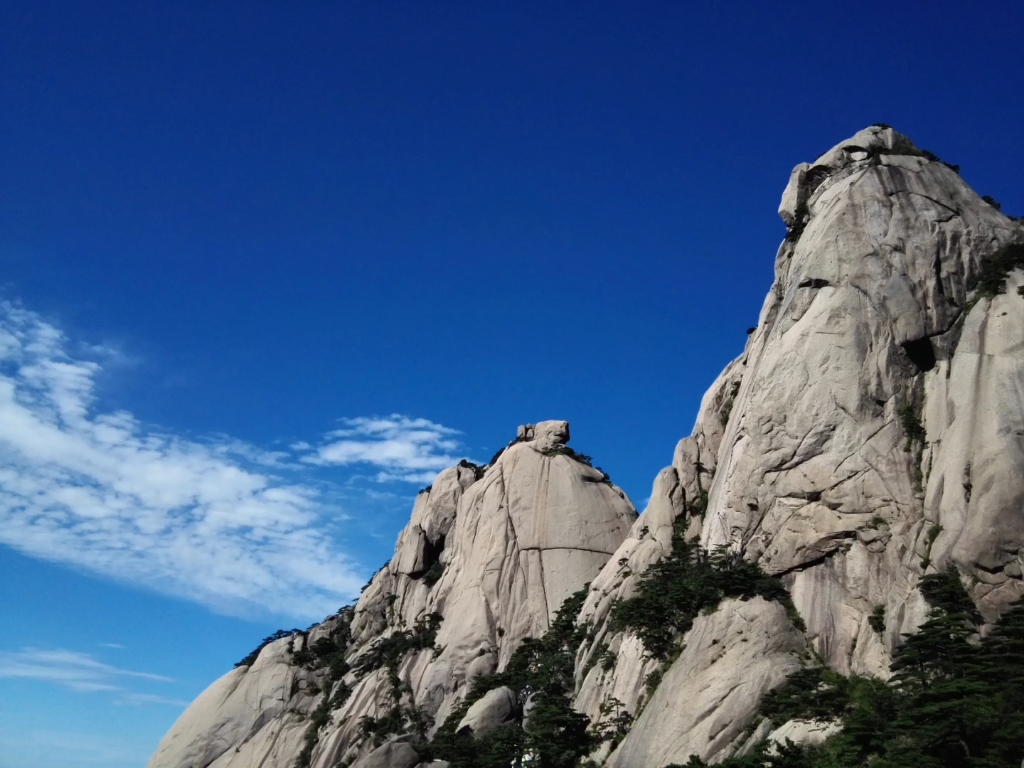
x: 204, y: 520
x: 401, y: 448
x: 115, y: 646
x: 139, y: 699
x: 71, y: 669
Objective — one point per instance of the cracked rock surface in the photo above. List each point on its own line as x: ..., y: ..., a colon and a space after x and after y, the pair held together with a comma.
x: 871, y: 431
x: 514, y: 540
x: 712, y: 690
x: 817, y: 478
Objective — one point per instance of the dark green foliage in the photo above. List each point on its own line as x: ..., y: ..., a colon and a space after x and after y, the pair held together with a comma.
x: 698, y: 506
x: 565, y: 450
x: 541, y: 669
x: 996, y: 268
x: 877, y: 619
x: 798, y: 226
x: 814, y: 693
x: 478, y: 470
x: 320, y: 717
x: 943, y: 712
x: 672, y: 592
x: 726, y: 411
x: 788, y: 755
x: 497, y: 454
x: 389, y: 651
x: 341, y: 693
x: 954, y: 701
x: 652, y: 680
x: 251, y: 658
x: 327, y: 653
x: 729, y: 402
x: 614, y: 724
x: 398, y: 720
x: 500, y: 748
x: 913, y: 430
x: 582, y: 458
x: 327, y: 657
x: 945, y: 593
x: 607, y: 659
x: 914, y: 438
x: 433, y: 574
x: 992, y: 201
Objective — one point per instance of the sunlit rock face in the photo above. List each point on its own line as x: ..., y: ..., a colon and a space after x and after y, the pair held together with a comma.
x: 871, y: 431
x: 806, y: 443
x: 868, y: 330
x: 514, y: 539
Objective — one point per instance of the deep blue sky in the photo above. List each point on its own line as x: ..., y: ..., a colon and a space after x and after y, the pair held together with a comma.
x: 252, y: 220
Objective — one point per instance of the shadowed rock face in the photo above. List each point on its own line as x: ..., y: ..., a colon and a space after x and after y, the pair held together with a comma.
x: 871, y: 431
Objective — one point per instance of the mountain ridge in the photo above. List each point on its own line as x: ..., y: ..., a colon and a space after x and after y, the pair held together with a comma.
x: 871, y: 432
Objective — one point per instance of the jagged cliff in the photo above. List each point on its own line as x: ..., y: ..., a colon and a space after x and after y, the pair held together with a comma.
x: 486, y: 560
x: 871, y: 432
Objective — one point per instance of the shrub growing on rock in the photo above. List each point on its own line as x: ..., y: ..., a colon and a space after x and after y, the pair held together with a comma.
x: 672, y: 592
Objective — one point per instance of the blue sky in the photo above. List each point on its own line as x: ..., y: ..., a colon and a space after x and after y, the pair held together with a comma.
x: 265, y: 269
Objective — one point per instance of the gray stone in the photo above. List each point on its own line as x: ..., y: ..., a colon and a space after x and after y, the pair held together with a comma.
x: 809, y: 732
x: 494, y: 708
x: 516, y: 542
x: 730, y: 659
x: 395, y: 754
x: 799, y: 447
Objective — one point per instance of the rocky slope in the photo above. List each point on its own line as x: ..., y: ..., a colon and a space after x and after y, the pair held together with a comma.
x: 871, y: 432
x: 506, y: 544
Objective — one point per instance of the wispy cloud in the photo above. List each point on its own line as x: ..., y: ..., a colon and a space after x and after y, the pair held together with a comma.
x: 132, y: 699
x: 213, y: 521
x: 115, y: 646
x: 71, y: 669
x: 400, y: 448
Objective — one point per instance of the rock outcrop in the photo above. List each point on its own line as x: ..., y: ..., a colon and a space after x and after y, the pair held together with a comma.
x: 503, y: 545
x: 871, y: 432
x: 871, y: 329
x: 711, y: 692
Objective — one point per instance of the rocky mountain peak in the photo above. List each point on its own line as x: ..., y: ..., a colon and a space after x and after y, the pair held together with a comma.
x: 869, y: 437
x: 547, y: 434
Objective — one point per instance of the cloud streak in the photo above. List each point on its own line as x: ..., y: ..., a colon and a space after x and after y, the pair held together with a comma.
x: 73, y: 670
x: 212, y: 521
x: 398, y: 447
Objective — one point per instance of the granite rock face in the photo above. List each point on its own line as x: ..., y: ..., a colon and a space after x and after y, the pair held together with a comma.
x: 514, y: 539
x: 496, y: 707
x: 869, y: 330
x: 711, y: 692
x: 872, y: 328
x: 244, y: 716
x: 871, y: 431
